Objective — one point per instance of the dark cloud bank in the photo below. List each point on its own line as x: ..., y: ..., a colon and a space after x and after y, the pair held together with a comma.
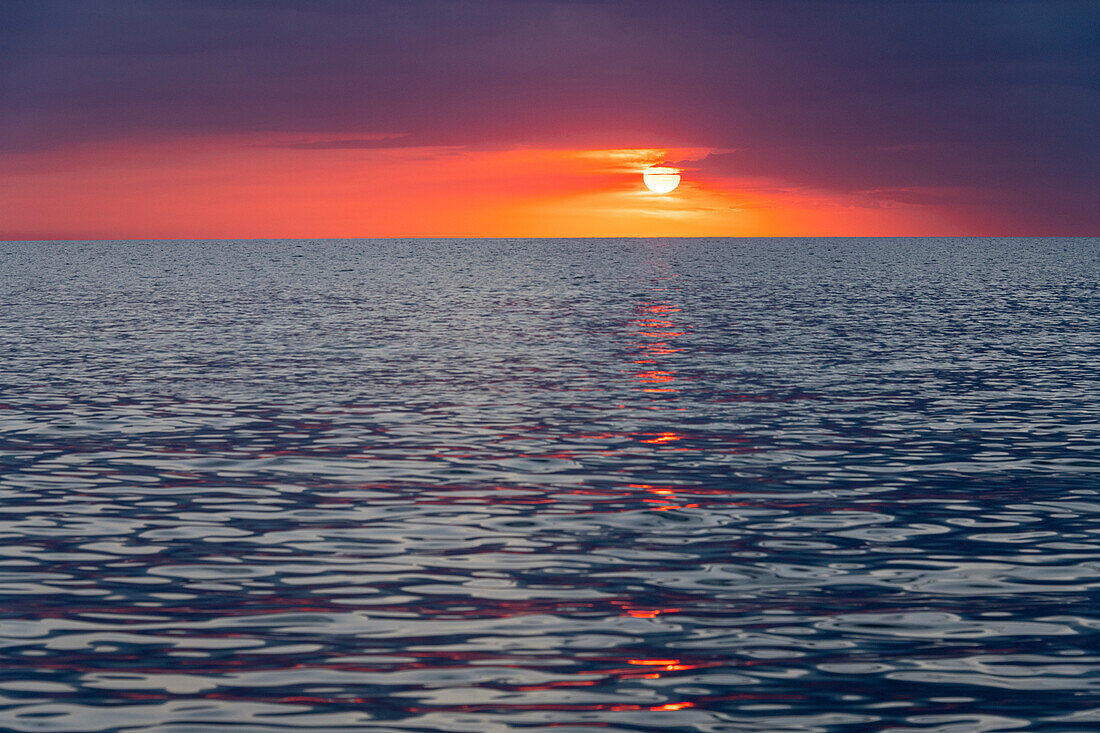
x: 993, y: 104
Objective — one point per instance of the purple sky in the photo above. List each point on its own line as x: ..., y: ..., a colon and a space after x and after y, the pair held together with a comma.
x: 995, y: 102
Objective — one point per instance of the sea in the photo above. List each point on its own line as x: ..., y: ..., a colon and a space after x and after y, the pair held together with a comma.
x: 723, y: 485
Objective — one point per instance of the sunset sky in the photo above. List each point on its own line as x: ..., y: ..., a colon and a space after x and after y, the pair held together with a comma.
x: 439, y: 118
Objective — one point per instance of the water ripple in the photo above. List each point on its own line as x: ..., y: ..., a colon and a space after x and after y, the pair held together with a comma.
x: 712, y: 485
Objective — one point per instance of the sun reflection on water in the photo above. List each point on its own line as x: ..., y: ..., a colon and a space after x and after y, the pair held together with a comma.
x: 733, y: 488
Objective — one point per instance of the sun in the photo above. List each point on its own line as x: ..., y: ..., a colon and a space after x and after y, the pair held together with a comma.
x: 660, y: 179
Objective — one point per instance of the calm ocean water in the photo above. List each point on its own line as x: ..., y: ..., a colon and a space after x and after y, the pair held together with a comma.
x: 683, y: 485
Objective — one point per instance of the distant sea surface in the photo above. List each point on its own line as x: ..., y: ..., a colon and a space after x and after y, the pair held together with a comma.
x: 803, y: 485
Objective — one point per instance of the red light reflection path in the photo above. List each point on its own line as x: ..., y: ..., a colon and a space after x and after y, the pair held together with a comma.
x: 654, y: 328
x: 654, y: 331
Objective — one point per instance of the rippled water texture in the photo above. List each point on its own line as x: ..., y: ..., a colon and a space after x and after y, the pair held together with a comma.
x: 684, y: 485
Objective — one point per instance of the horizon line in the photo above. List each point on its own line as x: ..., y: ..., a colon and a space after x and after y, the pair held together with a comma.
x: 534, y: 238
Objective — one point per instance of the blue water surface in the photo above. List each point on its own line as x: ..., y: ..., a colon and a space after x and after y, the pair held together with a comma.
x: 630, y: 485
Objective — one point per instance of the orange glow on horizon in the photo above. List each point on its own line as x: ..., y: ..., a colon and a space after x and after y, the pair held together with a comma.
x: 260, y: 187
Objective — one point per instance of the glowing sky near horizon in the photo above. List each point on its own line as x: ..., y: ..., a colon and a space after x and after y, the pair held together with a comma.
x: 440, y: 118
